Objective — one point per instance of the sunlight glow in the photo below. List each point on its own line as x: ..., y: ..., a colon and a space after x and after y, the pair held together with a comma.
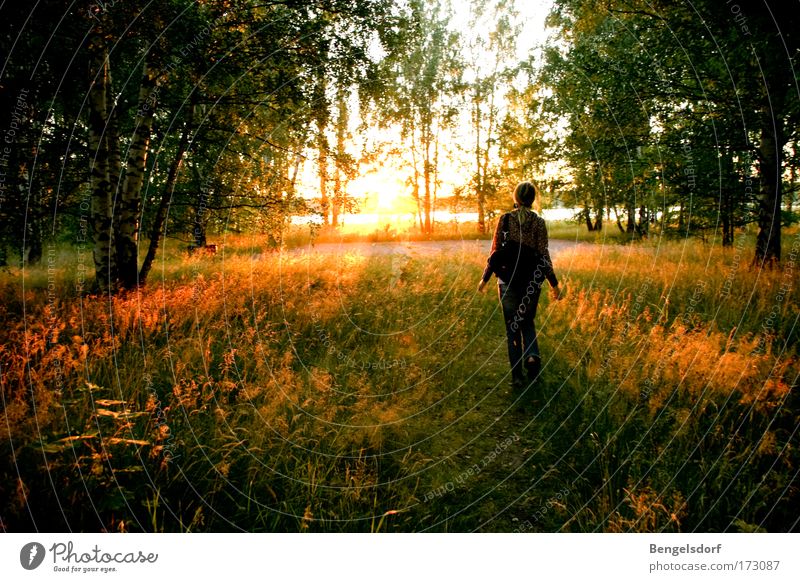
x: 382, y: 191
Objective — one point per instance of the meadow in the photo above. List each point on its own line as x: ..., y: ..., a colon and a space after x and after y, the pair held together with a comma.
x: 302, y: 391
x: 301, y: 235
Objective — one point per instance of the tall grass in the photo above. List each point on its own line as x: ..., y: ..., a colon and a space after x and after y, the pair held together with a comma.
x: 301, y: 235
x: 315, y: 392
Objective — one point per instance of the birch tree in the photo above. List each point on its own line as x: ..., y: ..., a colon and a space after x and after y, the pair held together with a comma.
x: 101, y: 205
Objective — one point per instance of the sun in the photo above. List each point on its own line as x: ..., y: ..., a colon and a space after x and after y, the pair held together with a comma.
x: 382, y: 192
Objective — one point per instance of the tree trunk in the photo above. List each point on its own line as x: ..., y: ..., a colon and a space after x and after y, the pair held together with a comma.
x: 131, y: 195
x: 435, y: 179
x: 630, y: 211
x: 770, y: 148
x: 588, y: 219
x: 114, y: 176
x: 727, y: 218
x: 479, y: 192
x: 619, y: 221
x: 481, y: 212
x: 341, y: 170
x: 321, y: 116
x: 101, y: 208
x: 163, y: 206
x: 792, y: 179
x: 644, y: 221
x: 426, y: 170
x: 726, y: 194
x: 415, y: 186
x: 324, y: 201
x: 417, y: 200
x: 337, y: 193
x: 491, y: 116
x: 598, y: 220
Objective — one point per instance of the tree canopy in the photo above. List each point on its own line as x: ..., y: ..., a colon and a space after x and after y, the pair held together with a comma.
x: 126, y: 123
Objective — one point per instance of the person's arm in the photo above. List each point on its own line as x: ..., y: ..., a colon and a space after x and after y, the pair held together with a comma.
x: 544, y: 251
x: 487, y: 272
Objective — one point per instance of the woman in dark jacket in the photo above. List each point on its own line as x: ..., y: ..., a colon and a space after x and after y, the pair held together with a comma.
x: 525, y: 234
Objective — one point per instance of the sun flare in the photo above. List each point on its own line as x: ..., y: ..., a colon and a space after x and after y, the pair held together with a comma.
x: 382, y: 192
x: 383, y: 198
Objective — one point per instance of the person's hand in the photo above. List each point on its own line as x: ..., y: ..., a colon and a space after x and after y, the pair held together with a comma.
x: 556, y: 291
x: 481, y: 286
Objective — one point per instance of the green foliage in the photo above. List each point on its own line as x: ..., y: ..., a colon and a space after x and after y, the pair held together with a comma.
x: 663, y: 120
x: 231, y: 108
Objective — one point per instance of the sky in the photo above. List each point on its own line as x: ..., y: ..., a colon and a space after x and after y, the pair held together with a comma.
x: 532, y: 13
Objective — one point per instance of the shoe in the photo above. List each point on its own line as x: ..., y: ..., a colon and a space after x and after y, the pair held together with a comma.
x: 517, y: 380
x: 534, y: 367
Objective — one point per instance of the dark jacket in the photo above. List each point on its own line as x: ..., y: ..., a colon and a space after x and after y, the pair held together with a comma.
x: 532, y: 233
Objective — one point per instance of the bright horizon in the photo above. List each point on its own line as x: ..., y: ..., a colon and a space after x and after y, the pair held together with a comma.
x: 369, y: 221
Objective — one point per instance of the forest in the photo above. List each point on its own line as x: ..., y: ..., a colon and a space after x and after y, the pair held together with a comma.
x: 676, y: 118
x: 239, y: 241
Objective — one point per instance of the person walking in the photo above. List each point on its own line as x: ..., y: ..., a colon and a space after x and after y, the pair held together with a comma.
x: 520, y: 259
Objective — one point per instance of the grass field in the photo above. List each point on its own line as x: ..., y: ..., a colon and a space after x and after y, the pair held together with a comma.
x: 311, y: 392
x: 558, y: 229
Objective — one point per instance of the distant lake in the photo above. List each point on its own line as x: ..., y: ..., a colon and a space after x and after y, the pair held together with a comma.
x: 440, y: 216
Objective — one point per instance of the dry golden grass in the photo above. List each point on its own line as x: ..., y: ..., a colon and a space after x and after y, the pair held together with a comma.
x: 329, y: 393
